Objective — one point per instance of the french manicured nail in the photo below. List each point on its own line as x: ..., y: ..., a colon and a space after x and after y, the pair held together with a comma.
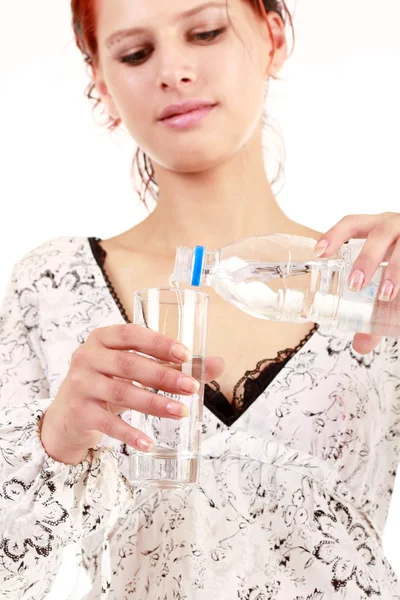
x: 386, y: 291
x: 181, y: 352
x: 178, y: 410
x: 320, y: 248
x: 187, y: 384
x: 144, y: 444
x: 356, y: 281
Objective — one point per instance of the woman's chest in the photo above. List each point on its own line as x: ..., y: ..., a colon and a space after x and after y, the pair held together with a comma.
x: 325, y: 401
x: 245, y: 343
x: 249, y: 345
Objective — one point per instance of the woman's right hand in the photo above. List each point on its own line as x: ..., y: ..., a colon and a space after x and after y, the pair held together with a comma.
x: 99, y: 386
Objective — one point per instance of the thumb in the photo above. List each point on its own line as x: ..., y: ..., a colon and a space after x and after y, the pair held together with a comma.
x: 365, y: 342
x: 214, y: 367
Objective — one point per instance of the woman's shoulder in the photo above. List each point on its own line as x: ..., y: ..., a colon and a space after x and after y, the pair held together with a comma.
x: 56, y: 254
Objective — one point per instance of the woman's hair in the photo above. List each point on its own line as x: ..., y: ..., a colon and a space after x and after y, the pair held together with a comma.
x: 84, y: 26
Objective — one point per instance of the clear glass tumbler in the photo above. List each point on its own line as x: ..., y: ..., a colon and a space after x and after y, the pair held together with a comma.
x: 175, y: 459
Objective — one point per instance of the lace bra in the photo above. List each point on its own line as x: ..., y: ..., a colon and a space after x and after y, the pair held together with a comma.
x: 247, y: 389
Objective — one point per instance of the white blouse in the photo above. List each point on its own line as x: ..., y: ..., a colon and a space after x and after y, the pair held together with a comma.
x: 293, y: 496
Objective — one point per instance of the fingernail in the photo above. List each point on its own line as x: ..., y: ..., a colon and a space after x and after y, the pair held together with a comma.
x: 145, y: 445
x: 181, y: 352
x: 386, y: 291
x: 320, y: 248
x: 356, y: 281
x: 178, y: 410
x: 187, y: 384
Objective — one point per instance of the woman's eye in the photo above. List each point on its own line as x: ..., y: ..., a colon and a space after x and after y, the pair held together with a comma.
x: 136, y: 58
x: 208, y: 36
x: 139, y: 57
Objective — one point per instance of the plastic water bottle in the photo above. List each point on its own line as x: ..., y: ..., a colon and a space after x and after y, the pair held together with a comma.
x: 279, y: 277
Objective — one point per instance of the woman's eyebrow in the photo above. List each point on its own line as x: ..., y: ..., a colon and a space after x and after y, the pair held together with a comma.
x: 124, y: 33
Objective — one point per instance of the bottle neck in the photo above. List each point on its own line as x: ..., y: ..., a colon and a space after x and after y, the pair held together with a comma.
x: 210, y: 261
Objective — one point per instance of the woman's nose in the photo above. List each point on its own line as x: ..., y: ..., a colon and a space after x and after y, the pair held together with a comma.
x: 175, y: 69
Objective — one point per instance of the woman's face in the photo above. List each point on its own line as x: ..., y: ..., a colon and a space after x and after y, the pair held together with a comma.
x: 184, y: 50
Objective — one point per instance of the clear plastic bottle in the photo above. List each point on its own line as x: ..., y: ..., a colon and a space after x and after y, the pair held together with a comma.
x: 279, y: 277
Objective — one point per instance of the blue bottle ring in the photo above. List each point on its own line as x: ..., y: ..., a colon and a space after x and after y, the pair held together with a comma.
x: 197, y: 270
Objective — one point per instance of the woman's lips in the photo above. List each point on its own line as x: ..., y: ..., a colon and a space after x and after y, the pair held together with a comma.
x: 188, y: 119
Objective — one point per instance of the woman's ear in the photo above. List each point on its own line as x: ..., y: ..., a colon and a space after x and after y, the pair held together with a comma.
x: 104, y: 94
x: 279, y: 51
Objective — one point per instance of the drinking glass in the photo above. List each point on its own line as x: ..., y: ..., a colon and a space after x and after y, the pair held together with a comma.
x: 175, y: 458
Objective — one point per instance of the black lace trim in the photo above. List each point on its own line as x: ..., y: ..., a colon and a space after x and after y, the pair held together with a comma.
x: 251, y: 385
x: 100, y: 255
x: 248, y: 388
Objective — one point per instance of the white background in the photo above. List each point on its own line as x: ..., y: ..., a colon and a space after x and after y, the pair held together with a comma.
x: 61, y: 174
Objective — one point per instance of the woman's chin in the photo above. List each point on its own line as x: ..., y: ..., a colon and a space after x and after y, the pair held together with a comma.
x: 193, y: 161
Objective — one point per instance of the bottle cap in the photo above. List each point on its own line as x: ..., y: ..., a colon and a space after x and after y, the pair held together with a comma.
x: 183, y: 265
x: 189, y: 264
x: 198, y: 260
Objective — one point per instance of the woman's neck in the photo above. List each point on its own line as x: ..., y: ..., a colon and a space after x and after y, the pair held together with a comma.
x: 215, y: 219
x: 213, y: 207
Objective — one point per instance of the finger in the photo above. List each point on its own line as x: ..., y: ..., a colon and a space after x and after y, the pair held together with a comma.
x: 390, y: 285
x: 214, y: 368
x: 374, y: 251
x: 142, y: 339
x: 117, y: 409
x: 148, y: 372
x: 364, y: 343
x: 118, y: 429
x: 127, y: 396
x: 350, y: 227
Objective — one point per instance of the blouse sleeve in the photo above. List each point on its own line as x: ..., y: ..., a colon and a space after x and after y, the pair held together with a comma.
x: 44, y: 505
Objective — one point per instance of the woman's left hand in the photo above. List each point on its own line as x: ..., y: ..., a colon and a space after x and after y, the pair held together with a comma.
x: 382, y: 233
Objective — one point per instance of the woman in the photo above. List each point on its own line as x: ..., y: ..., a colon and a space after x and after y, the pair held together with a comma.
x: 299, y: 450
